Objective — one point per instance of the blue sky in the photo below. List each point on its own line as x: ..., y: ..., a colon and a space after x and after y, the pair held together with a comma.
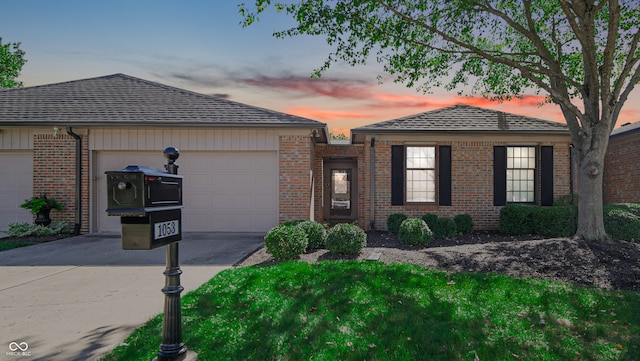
x: 199, y: 45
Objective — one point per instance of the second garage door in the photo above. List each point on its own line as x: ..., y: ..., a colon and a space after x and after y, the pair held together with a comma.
x: 223, y: 191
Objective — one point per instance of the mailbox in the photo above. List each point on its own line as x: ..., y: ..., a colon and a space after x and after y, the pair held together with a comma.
x: 149, y: 202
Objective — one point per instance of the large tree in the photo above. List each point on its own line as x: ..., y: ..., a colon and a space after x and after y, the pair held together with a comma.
x: 583, y: 54
x: 11, y: 62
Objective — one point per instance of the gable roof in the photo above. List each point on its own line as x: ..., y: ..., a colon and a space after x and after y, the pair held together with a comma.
x: 463, y: 118
x: 120, y: 99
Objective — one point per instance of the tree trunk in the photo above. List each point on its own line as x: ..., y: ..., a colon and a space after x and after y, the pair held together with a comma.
x: 590, y: 182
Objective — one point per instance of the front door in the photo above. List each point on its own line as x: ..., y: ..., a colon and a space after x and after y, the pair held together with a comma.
x: 340, y: 189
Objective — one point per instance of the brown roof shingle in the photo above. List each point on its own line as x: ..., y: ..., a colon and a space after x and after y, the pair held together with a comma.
x: 464, y: 118
x: 120, y: 99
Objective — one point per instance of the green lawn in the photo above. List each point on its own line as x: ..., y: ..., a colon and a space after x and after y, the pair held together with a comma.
x: 341, y: 310
x: 4, y: 246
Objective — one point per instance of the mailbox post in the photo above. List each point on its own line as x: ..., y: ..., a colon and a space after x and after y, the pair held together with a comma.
x: 149, y: 202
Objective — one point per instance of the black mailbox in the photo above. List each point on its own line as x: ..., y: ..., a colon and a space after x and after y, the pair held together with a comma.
x: 149, y: 202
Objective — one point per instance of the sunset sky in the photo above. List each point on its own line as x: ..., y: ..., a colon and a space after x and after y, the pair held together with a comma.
x: 199, y: 45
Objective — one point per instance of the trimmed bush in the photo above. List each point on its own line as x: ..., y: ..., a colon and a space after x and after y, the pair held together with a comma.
x: 627, y: 207
x: 445, y: 228
x: 286, y: 241
x: 345, y: 238
x: 414, y: 232
x: 553, y: 221
x: 464, y: 223
x: 565, y: 200
x: 431, y: 220
x: 394, y: 221
x: 30, y: 229
x: 516, y: 219
x: 316, y: 233
x: 295, y: 222
x: 621, y: 224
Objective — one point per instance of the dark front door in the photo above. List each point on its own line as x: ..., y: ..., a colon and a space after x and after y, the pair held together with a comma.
x: 340, y: 189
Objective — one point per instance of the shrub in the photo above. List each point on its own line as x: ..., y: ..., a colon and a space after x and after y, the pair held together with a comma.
x: 516, y: 219
x: 286, y: 241
x: 565, y: 200
x: 621, y: 224
x: 414, y: 231
x: 464, y: 223
x: 431, y: 220
x: 628, y: 207
x: 345, y: 238
x: 316, y: 233
x: 295, y: 222
x: 29, y: 229
x: 553, y: 221
x: 445, y: 228
x: 394, y: 221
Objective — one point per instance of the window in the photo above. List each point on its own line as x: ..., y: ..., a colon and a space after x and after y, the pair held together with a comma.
x: 421, y: 174
x: 521, y: 165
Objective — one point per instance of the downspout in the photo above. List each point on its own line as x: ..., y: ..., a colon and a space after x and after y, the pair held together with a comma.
x: 372, y: 211
x: 573, y: 218
x: 76, y: 228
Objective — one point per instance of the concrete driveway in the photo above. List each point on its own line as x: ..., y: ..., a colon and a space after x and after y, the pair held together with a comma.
x: 77, y: 298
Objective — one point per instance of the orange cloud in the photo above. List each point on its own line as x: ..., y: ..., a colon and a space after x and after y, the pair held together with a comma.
x: 325, y: 115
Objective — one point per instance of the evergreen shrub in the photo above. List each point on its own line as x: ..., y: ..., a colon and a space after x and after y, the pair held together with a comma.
x: 345, y: 238
x: 464, y: 223
x: 445, y: 228
x: 516, y: 219
x: 286, y: 241
x: 394, y: 221
x: 414, y: 232
x: 316, y: 233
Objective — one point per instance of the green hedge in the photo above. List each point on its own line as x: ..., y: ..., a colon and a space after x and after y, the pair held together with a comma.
x: 445, y: 228
x: 517, y: 219
x: 464, y: 223
x: 554, y: 221
x: 622, y: 222
x: 431, y: 220
x: 394, y: 221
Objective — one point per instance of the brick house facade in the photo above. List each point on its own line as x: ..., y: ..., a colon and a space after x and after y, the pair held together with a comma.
x: 248, y: 169
x: 621, y: 175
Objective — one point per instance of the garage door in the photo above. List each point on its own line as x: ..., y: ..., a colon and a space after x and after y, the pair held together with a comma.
x: 223, y: 191
x: 17, y: 185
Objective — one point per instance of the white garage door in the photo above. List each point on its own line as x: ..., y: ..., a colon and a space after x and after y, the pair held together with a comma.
x: 223, y: 191
x: 17, y: 185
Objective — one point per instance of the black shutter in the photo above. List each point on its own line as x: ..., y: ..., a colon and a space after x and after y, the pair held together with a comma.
x: 499, y: 176
x: 397, y: 175
x: 546, y: 176
x: 444, y: 176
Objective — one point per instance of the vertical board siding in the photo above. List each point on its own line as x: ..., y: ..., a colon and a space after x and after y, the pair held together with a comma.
x: 17, y: 139
x: 183, y: 139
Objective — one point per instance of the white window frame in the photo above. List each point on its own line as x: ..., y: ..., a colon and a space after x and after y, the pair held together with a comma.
x: 420, y: 174
x: 521, y: 174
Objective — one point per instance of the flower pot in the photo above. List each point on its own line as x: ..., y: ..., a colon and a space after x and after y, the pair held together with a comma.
x: 42, y: 218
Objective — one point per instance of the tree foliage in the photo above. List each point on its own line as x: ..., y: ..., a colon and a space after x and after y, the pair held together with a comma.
x: 584, y: 55
x: 11, y: 62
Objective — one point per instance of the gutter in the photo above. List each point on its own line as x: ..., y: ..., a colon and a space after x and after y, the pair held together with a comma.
x: 76, y: 228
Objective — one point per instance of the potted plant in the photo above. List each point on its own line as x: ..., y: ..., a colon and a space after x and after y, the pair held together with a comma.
x: 41, y: 206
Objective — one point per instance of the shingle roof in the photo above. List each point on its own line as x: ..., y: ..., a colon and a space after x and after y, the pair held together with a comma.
x: 464, y: 119
x: 626, y: 129
x: 120, y: 99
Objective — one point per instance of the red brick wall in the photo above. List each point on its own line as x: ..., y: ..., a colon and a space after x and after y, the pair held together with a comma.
x: 363, y: 193
x: 621, y: 175
x: 295, y: 162
x: 471, y: 184
x: 54, y: 163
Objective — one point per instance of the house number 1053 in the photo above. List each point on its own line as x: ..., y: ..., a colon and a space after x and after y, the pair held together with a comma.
x: 166, y: 229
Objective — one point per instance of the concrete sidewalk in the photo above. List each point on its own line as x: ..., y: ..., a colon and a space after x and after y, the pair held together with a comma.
x: 64, y: 311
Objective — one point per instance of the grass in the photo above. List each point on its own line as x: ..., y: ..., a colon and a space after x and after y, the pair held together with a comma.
x: 4, y: 246
x: 341, y: 310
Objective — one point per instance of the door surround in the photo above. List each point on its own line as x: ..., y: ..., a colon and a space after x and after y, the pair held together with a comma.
x: 336, y: 207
